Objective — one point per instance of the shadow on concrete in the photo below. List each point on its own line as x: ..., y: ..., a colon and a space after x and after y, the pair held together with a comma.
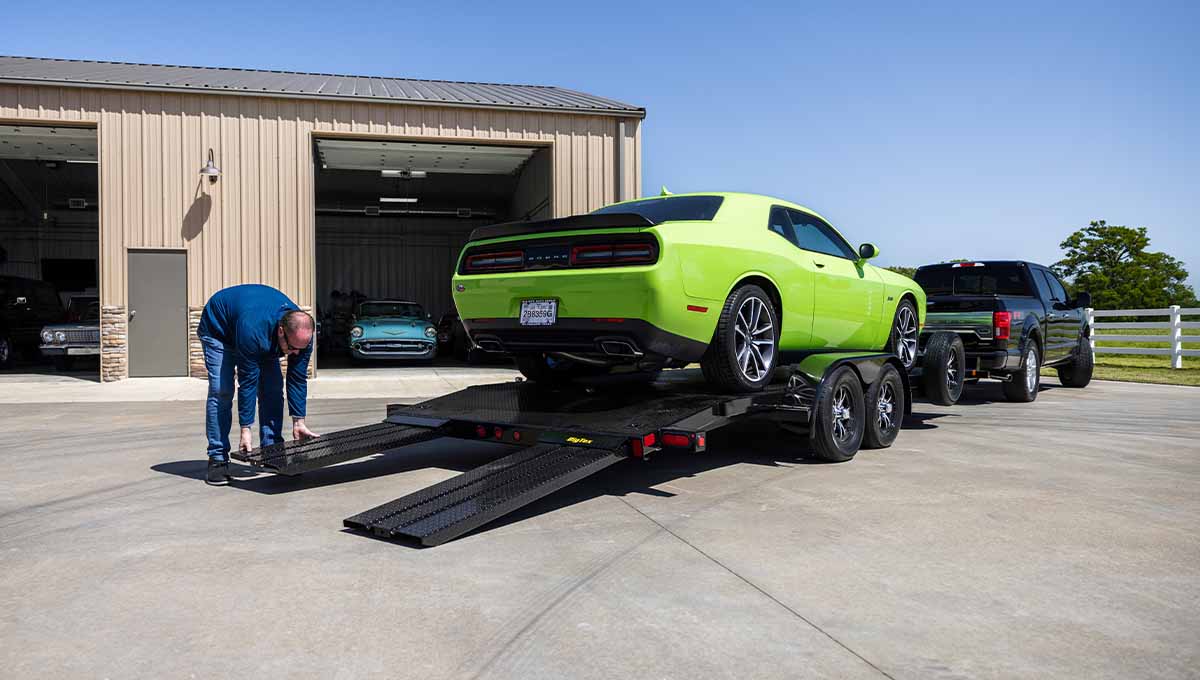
x: 991, y: 392
x: 85, y: 369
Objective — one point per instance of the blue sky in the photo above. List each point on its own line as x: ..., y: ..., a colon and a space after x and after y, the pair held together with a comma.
x: 935, y: 130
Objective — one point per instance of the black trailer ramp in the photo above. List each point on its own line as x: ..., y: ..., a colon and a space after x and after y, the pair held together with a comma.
x: 449, y: 509
x: 293, y: 457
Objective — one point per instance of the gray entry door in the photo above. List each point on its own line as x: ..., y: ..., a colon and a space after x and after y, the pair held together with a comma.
x: 158, y: 320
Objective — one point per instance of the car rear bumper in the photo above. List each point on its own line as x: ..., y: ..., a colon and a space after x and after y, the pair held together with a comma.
x: 615, y: 337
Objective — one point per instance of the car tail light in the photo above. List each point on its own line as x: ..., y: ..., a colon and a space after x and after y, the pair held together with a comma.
x: 613, y: 253
x: 956, y: 265
x: 1001, y: 325
x: 494, y: 262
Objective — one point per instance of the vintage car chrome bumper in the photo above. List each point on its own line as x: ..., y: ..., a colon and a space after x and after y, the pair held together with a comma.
x: 407, y: 348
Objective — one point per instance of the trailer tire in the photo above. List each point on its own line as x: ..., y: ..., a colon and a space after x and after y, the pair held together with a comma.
x: 1078, y: 373
x: 840, y: 417
x: 1022, y: 387
x: 884, y: 409
x: 943, y: 369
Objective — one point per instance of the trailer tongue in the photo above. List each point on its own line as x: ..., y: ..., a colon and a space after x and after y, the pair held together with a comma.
x: 568, y: 434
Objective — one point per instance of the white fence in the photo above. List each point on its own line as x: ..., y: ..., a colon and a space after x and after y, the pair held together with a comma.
x: 1172, y: 332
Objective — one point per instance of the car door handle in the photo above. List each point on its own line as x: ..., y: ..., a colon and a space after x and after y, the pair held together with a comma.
x: 819, y: 265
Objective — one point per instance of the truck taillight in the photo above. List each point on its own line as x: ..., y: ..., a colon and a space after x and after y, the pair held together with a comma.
x: 1001, y: 325
x: 613, y: 253
x: 495, y: 262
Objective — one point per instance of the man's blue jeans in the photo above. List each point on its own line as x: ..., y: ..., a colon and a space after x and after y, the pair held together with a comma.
x: 218, y: 416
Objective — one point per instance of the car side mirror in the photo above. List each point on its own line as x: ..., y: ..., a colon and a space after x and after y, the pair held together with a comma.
x: 1082, y: 300
x: 867, y: 251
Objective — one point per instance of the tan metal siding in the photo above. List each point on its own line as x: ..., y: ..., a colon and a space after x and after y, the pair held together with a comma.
x: 257, y: 222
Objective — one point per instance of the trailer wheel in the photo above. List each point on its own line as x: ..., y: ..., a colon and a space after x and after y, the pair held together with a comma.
x: 1078, y: 373
x: 840, y: 418
x: 944, y: 368
x: 884, y: 409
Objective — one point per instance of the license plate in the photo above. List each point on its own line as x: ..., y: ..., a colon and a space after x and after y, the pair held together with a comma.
x: 539, y: 312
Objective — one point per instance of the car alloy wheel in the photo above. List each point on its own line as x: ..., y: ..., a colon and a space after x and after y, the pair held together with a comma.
x: 1031, y: 371
x: 952, y: 376
x: 754, y: 339
x: 904, y: 335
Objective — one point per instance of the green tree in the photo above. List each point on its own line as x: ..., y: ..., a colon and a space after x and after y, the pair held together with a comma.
x: 906, y: 271
x: 1113, y: 264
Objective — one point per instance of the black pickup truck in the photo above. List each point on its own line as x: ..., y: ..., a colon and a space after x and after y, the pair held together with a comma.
x: 1013, y: 317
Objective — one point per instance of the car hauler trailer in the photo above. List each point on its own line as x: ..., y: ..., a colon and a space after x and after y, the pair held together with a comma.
x: 838, y: 402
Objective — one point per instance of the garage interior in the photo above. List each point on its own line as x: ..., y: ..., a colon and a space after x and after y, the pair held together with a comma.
x: 49, y: 231
x: 392, y: 217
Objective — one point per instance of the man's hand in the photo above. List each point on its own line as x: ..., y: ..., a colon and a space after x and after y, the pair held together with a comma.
x: 246, y: 445
x: 300, y: 431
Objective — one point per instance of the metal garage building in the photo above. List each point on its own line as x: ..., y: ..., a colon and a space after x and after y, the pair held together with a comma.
x: 326, y: 182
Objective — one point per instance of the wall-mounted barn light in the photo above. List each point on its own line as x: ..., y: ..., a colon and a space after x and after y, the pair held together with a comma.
x: 210, y: 169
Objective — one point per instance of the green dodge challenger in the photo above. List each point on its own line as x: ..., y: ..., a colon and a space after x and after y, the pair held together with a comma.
x: 727, y: 279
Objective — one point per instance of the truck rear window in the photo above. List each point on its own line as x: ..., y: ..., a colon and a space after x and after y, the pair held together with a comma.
x: 985, y: 280
x: 669, y: 209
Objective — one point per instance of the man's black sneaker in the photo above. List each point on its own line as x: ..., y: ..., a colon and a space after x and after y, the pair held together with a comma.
x: 218, y: 473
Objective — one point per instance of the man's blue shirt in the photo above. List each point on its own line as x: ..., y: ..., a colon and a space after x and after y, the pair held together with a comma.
x: 244, y: 319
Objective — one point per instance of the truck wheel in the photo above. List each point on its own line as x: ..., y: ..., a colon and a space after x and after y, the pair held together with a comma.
x: 903, y: 340
x: 840, y: 418
x: 943, y: 369
x: 744, y: 348
x: 885, y: 409
x: 1022, y: 387
x: 547, y: 370
x: 1078, y: 373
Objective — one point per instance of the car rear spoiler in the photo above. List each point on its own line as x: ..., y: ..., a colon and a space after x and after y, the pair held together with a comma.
x: 575, y: 222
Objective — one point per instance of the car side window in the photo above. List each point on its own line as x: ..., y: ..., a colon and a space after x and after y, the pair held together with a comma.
x: 779, y: 223
x: 1056, y: 288
x: 813, y: 234
x: 1039, y: 280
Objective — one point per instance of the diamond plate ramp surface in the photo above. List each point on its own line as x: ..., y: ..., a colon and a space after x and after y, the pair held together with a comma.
x: 293, y: 457
x: 449, y: 509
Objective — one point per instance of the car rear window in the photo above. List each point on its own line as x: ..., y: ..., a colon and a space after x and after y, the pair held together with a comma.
x: 982, y: 280
x: 669, y: 209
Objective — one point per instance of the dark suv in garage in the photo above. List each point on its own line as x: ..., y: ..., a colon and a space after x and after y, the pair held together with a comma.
x: 26, y: 305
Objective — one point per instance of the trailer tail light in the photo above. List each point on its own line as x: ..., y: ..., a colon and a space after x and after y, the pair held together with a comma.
x: 495, y: 262
x: 677, y: 441
x: 610, y: 254
x: 1001, y: 325
x: 649, y: 440
x: 481, y: 431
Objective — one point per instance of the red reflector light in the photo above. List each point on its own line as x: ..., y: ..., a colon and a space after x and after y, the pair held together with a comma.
x: 516, y: 436
x: 513, y: 259
x: 697, y: 308
x: 498, y: 433
x: 1002, y: 325
x: 679, y: 441
x: 480, y: 431
x: 613, y: 253
x: 635, y: 447
x: 649, y: 440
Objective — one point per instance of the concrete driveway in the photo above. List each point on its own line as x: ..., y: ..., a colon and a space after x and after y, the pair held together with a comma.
x: 1055, y: 539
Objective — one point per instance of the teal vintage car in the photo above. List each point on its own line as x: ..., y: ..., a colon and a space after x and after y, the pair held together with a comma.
x: 392, y: 329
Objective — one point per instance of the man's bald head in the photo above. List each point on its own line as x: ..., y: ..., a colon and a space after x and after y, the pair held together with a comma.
x: 297, y: 329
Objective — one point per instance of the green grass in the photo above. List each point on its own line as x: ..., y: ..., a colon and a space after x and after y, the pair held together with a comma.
x: 1145, y: 368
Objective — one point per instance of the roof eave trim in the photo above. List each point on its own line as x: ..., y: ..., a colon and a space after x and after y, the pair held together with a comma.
x: 639, y: 113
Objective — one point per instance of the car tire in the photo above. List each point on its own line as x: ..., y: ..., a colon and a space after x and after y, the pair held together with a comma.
x: 736, y: 365
x: 1078, y: 373
x: 840, y: 418
x: 902, y: 341
x: 884, y: 409
x: 943, y: 368
x: 540, y: 368
x: 1022, y: 387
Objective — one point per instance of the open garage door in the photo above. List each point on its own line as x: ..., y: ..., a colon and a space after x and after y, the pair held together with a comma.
x: 49, y: 249
x: 392, y: 217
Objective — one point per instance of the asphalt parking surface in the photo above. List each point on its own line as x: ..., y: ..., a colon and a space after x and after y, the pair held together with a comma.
x: 994, y: 540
